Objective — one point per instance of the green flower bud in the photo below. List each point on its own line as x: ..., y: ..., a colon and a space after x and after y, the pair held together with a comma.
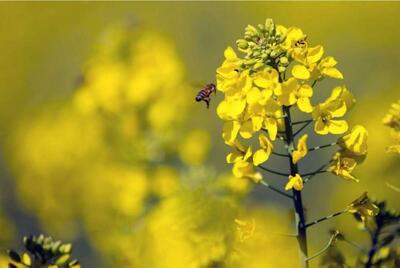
x: 243, y: 44
x: 252, y: 31
x: 284, y: 60
x: 273, y: 54
x: 281, y: 69
x: 269, y: 25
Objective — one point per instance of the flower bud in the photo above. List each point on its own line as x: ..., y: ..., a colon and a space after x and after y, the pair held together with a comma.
x: 243, y: 44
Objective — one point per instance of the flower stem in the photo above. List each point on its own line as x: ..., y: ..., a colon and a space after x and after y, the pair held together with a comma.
x: 266, y: 184
x: 326, y: 218
x: 322, y: 146
x: 297, y: 201
x: 331, y: 241
x: 302, y: 127
x: 274, y: 172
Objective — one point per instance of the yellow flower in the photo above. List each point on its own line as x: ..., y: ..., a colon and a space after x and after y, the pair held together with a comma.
x: 355, y: 141
x: 302, y: 149
x: 342, y: 166
x: 242, y: 153
x: 327, y: 68
x: 293, y: 93
x: 295, y: 182
x: 364, y: 207
x: 341, y: 92
x: 262, y: 155
x: 265, y: 115
x: 229, y: 71
x: 324, y: 115
x: 244, y: 169
x: 308, y: 67
x: 295, y: 42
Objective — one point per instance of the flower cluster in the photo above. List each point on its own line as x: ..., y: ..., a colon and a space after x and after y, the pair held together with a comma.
x: 279, y: 70
x: 392, y: 120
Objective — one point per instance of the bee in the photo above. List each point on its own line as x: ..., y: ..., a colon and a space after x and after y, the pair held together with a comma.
x: 205, y: 94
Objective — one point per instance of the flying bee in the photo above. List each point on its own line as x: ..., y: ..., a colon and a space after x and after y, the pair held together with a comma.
x: 205, y: 94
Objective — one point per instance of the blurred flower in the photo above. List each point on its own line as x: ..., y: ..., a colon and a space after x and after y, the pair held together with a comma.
x: 245, y: 229
x: 364, y: 207
x: 194, y: 147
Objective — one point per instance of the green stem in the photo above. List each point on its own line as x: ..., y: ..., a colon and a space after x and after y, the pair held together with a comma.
x: 374, y: 247
x: 325, y: 218
x: 297, y: 201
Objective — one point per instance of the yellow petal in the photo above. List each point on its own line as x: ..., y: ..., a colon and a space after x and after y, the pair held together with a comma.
x: 332, y: 72
x: 233, y: 157
x: 295, y: 182
x: 356, y: 140
x: 246, y: 131
x: 304, y: 105
x: 314, y: 54
x: 338, y: 126
x: 253, y: 96
x: 272, y: 127
x: 300, y: 72
x: 230, y: 54
x: 230, y: 131
x: 320, y: 127
x: 260, y: 156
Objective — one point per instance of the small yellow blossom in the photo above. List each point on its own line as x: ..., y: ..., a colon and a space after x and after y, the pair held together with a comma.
x: 355, y: 141
x: 301, y: 150
x: 230, y: 109
x: 228, y: 72
x: 364, y: 207
x: 328, y: 69
x: 324, y: 114
x: 295, y: 182
x: 342, y: 166
x: 241, y: 153
x: 262, y: 155
x: 293, y: 93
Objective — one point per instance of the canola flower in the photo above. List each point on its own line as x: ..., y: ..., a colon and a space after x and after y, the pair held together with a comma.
x: 277, y: 76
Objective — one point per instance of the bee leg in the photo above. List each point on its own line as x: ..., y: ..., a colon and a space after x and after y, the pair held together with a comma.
x: 207, y: 101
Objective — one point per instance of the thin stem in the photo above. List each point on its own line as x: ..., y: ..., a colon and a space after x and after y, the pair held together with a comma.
x: 325, y: 218
x: 274, y: 172
x: 279, y: 154
x: 331, y: 241
x: 266, y: 184
x: 303, y: 127
x: 297, y: 200
x: 313, y: 173
x: 305, y: 180
x: 322, y: 146
x: 302, y: 122
x: 313, y: 84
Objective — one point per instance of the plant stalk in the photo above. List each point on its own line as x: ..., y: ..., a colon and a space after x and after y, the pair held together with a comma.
x: 297, y: 201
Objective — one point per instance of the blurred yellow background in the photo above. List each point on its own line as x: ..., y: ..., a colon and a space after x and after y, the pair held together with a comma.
x: 60, y: 159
